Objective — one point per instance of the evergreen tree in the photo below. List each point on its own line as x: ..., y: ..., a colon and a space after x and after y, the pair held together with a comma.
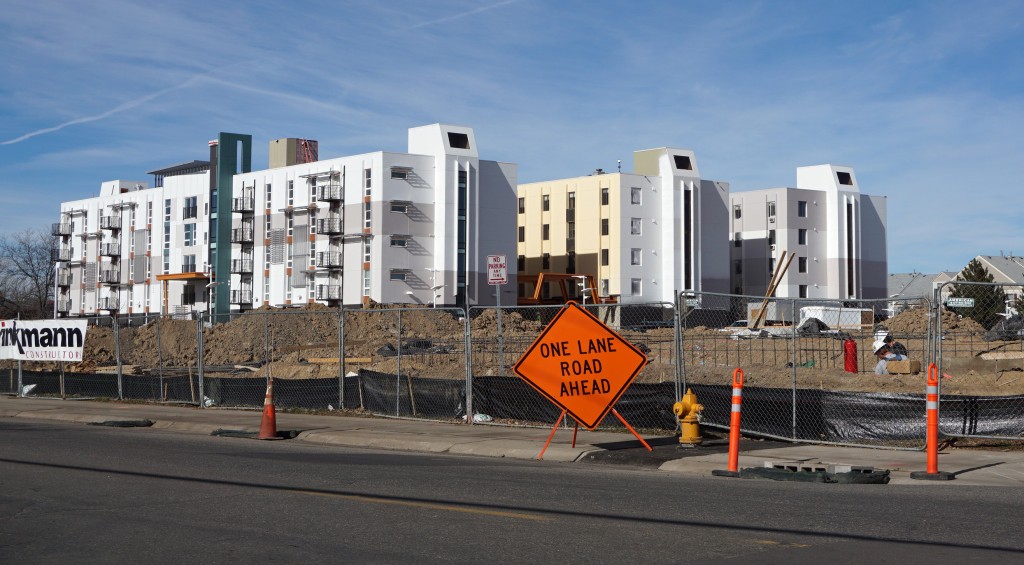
x: 989, y: 300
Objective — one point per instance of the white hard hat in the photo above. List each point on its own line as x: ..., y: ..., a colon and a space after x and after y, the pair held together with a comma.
x: 878, y: 344
x: 881, y: 335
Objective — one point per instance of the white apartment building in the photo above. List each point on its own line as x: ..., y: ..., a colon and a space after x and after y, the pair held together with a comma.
x: 118, y: 252
x: 395, y: 228
x: 837, y: 233
x: 643, y: 236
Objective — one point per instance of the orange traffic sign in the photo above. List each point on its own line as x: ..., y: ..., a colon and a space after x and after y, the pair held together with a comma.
x: 581, y: 365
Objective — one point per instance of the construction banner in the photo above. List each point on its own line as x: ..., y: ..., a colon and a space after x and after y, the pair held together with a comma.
x: 42, y: 340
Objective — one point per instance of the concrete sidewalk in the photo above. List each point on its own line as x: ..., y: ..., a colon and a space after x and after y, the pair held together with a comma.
x: 971, y: 466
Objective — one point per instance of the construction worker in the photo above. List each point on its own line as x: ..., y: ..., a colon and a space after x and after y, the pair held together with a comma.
x: 894, y: 346
x: 884, y: 353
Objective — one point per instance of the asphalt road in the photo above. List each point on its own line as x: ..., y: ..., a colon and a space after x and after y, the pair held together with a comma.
x: 86, y: 494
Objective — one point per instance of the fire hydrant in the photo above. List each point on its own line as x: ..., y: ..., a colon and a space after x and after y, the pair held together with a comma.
x: 688, y: 411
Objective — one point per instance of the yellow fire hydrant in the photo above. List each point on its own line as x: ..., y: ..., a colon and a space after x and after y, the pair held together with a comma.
x: 688, y: 410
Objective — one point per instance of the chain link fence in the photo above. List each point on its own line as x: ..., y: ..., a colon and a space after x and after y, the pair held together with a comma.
x: 810, y: 365
x: 980, y: 346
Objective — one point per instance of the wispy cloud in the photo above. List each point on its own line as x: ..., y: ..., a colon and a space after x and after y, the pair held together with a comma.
x: 459, y: 15
x: 116, y: 110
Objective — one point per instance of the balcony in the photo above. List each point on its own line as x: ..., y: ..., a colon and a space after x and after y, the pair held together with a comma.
x: 244, y: 204
x: 64, y: 306
x: 110, y: 223
x: 64, y: 277
x: 570, y: 215
x: 109, y: 276
x: 189, y: 212
x: 242, y: 235
x: 328, y: 292
x: 108, y: 303
x: 328, y: 260
x: 110, y: 249
x: 60, y: 229
x: 242, y: 266
x: 329, y: 226
x: 60, y: 254
x: 329, y: 193
x: 241, y: 296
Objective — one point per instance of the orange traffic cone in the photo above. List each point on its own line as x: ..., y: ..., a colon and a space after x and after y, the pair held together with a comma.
x: 268, y: 426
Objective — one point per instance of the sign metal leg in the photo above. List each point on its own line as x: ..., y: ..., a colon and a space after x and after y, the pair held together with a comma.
x: 630, y: 428
x: 551, y: 436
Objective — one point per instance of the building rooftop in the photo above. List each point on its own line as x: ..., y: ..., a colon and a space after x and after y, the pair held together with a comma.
x: 182, y: 169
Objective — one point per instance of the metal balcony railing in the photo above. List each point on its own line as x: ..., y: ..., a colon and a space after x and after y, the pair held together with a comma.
x: 189, y: 212
x: 64, y: 306
x: 110, y: 249
x: 570, y: 215
x: 241, y: 235
x: 243, y: 204
x: 329, y: 193
x: 329, y: 226
x: 108, y: 303
x: 328, y: 260
x: 242, y: 266
x: 60, y: 254
x: 328, y: 292
x: 243, y: 296
x: 110, y: 222
x: 109, y: 276
x: 60, y: 229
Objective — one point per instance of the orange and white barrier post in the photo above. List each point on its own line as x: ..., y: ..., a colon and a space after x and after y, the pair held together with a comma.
x: 932, y: 433
x: 268, y: 424
x: 734, y: 427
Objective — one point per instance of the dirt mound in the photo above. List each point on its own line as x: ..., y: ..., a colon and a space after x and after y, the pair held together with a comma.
x: 915, y: 322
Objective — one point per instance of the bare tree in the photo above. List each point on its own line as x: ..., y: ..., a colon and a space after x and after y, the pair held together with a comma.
x: 26, y: 273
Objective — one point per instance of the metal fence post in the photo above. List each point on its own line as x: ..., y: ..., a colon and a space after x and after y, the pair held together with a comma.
x: 794, y: 322
x: 467, y: 333
x: 398, y: 369
x: 117, y: 355
x: 501, y: 343
x: 199, y: 361
x: 341, y: 357
x: 159, y: 359
x: 677, y: 335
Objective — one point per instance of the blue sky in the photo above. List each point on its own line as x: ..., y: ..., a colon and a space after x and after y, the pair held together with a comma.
x: 922, y: 99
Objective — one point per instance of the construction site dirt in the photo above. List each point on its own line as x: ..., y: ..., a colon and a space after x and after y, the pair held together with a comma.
x: 306, y: 343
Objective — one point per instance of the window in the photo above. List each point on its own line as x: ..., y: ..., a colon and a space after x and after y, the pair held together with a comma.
x: 191, y: 209
x: 267, y: 204
x: 737, y: 211
x: 291, y: 226
x: 604, y: 257
x: 635, y: 287
x: 635, y: 226
x: 771, y: 209
x: 398, y: 241
x: 803, y: 291
x: 737, y: 239
x: 771, y: 265
x: 546, y: 231
x: 844, y: 178
x: 771, y: 237
x: 801, y: 263
x: 366, y: 250
x: 398, y: 276
x: 366, y: 283
x: 522, y: 205
x: 521, y: 263
x: 546, y: 261
x: 604, y: 226
x: 400, y: 174
x: 801, y: 236
x: 188, y: 264
x: 634, y: 196
x: 367, y: 215
x: 458, y: 140
x: 571, y: 203
x: 604, y: 287
x: 682, y: 162
x: 190, y: 235
x: 737, y: 267
x: 522, y: 234
x: 400, y: 207
x: 545, y: 202
x: 604, y: 196
x: 291, y: 193
x: 570, y: 230
x: 634, y: 256
x: 570, y: 266
x: 367, y: 181
x: 801, y: 208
